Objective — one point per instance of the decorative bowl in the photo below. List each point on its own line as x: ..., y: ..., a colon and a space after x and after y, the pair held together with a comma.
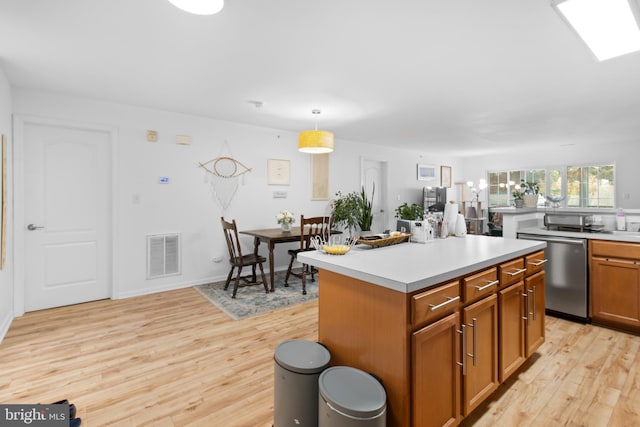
x: 555, y: 200
x: 336, y: 249
x: 377, y: 241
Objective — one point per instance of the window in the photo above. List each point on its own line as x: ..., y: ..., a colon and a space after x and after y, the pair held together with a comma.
x: 591, y: 186
x: 501, y: 184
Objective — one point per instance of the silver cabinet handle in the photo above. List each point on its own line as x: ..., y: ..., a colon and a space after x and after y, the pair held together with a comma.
x: 448, y: 301
x: 526, y: 310
x: 529, y: 312
x: 535, y: 264
x: 487, y: 286
x: 463, y: 332
x: 32, y: 227
x: 534, y: 303
x: 515, y: 273
x: 474, y: 356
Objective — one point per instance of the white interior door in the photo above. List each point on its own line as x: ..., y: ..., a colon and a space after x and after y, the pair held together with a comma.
x: 374, y: 173
x: 67, y: 215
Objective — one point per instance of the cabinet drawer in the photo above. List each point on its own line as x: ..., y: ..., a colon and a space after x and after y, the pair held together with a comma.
x: 534, y: 262
x: 511, y: 271
x: 480, y: 285
x: 435, y: 303
x: 615, y: 249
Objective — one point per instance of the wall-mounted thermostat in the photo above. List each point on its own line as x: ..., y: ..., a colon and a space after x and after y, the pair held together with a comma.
x: 163, y: 180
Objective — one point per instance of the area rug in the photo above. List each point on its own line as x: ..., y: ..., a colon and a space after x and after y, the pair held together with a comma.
x: 252, y: 300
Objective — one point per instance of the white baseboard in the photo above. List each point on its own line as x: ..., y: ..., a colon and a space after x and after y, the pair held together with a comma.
x: 174, y: 286
x: 5, y: 324
x: 164, y: 288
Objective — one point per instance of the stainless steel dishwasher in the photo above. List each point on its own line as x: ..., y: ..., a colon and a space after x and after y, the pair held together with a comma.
x: 566, y: 271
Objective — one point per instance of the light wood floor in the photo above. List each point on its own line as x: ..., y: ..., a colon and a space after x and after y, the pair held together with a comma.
x: 173, y: 359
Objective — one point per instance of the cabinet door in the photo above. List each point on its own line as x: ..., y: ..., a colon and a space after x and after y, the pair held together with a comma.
x: 511, y: 302
x: 481, y: 378
x: 615, y: 292
x: 535, y: 301
x: 436, y: 374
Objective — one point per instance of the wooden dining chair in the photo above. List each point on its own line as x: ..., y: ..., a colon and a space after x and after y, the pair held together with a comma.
x: 309, y: 228
x: 236, y: 259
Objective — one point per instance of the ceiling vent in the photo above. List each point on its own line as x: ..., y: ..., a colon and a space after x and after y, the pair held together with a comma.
x: 163, y: 255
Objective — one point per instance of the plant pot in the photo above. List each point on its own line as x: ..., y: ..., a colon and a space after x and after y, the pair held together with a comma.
x: 286, y: 227
x: 530, y: 200
x: 519, y: 203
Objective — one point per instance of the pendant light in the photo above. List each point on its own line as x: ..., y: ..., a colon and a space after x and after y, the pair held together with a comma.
x: 315, y: 141
x: 199, y: 7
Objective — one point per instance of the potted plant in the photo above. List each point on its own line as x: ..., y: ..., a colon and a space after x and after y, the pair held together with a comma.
x: 285, y: 219
x: 414, y: 212
x: 365, y: 217
x: 352, y: 211
x: 531, y: 191
x: 518, y: 194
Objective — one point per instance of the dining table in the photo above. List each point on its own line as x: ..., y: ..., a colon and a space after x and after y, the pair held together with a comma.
x: 271, y: 237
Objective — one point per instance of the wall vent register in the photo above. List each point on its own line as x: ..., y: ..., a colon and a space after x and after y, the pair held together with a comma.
x: 163, y: 255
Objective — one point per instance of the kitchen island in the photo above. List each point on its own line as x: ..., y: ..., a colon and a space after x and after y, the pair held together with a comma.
x: 440, y: 324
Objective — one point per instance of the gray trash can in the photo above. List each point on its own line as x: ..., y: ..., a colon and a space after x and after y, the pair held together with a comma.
x: 349, y: 397
x: 298, y: 364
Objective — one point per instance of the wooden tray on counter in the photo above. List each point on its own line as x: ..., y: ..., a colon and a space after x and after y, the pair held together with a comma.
x: 377, y: 241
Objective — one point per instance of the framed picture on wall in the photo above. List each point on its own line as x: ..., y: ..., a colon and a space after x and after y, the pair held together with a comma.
x: 320, y: 177
x: 278, y: 172
x: 445, y: 176
x: 426, y: 172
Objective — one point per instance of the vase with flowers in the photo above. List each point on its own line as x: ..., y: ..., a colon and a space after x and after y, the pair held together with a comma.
x: 285, y: 219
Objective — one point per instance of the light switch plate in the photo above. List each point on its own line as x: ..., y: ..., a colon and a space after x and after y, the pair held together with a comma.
x: 183, y: 139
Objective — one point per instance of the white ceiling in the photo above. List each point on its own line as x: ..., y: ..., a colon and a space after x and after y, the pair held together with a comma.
x: 454, y: 76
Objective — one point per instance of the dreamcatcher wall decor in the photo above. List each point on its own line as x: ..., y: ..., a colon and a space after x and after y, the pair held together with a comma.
x: 223, y: 174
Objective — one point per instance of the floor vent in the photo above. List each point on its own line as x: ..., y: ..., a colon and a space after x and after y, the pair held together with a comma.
x: 163, y: 255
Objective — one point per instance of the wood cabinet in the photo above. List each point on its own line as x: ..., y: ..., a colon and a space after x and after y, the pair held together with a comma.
x: 511, y: 303
x: 522, y: 311
x: 435, y: 303
x: 535, y: 290
x: 615, y: 284
x: 436, y: 373
x: 436, y: 351
x: 480, y: 285
x: 480, y: 349
x: 512, y: 272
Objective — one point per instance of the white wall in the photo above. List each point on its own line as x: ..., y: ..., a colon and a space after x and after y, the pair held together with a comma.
x: 626, y: 157
x: 6, y: 275
x: 186, y: 204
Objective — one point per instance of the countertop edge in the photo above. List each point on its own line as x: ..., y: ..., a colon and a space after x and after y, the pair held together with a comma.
x: 324, y: 261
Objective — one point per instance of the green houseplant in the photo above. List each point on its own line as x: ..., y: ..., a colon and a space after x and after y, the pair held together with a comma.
x: 353, y: 210
x: 365, y: 218
x: 518, y: 194
x: 414, y: 212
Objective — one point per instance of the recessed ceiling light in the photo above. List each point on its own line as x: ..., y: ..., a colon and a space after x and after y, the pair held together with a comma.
x: 199, y: 7
x: 608, y: 27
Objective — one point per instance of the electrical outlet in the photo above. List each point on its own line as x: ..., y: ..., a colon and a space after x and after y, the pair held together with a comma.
x: 152, y: 136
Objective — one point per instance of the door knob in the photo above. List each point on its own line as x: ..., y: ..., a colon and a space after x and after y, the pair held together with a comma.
x: 32, y: 227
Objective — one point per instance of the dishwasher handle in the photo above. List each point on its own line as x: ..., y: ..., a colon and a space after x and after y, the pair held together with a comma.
x: 567, y: 240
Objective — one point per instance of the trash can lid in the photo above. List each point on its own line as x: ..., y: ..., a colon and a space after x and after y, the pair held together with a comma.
x: 352, y: 391
x: 304, y: 357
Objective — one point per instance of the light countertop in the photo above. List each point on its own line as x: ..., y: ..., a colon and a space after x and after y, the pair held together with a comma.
x: 408, y: 267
